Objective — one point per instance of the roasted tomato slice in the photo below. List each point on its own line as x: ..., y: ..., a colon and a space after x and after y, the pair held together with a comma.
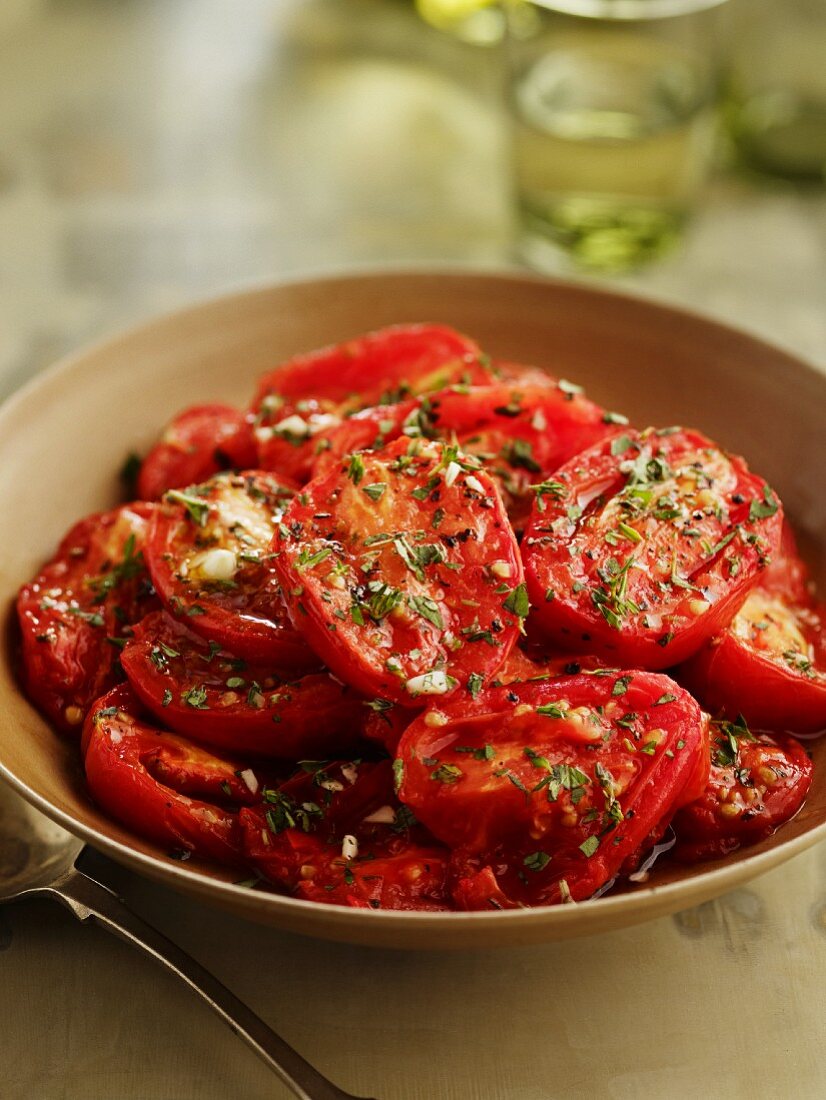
x: 288, y: 434
x: 520, y: 434
x: 336, y: 833
x: 553, y: 784
x: 196, y: 688
x: 75, y: 613
x: 769, y: 664
x: 643, y: 547
x: 367, y: 430
x: 208, y: 551
x: 402, y: 571
x: 161, y: 786
x: 377, y: 368
x: 385, y: 723
x: 756, y: 784
x: 198, y: 443
x: 299, y: 403
x: 393, y: 874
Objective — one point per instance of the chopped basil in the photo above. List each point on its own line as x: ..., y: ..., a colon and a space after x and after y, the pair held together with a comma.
x: 428, y: 609
x: 537, y: 861
x: 589, y: 846
x: 517, y: 602
x: 196, y: 507
x: 375, y: 491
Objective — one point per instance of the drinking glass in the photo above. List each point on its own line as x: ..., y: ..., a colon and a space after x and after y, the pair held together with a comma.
x: 614, y: 109
x: 779, y: 86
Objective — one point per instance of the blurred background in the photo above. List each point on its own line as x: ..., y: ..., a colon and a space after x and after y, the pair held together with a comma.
x: 156, y: 151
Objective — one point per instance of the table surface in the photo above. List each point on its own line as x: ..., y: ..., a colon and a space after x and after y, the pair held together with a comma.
x: 156, y: 151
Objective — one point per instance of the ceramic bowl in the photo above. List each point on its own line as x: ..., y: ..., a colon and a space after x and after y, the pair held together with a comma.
x: 64, y: 437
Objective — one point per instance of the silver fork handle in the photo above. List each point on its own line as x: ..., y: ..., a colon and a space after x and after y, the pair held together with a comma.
x: 89, y: 900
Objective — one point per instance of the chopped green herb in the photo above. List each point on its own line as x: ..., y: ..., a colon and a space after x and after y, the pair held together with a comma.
x: 196, y: 507
x: 355, y: 470
x: 447, y: 773
x: 428, y: 609
x: 589, y: 846
x: 765, y: 508
x: 537, y: 861
x: 517, y: 602
x: 195, y: 697
x: 375, y: 491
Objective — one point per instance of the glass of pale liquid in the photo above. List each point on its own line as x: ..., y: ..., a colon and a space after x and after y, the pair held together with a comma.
x: 778, y: 86
x: 614, y: 106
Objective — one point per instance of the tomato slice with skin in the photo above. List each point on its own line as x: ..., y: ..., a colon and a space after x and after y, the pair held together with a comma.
x: 200, y: 690
x: 370, y: 368
x: 756, y: 784
x: 402, y: 572
x: 769, y: 663
x: 76, y: 611
x: 288, y: 434
x: 386, y: 723
x: 643, y: 547
x: 208, y: 552
x: 520, y: 433
x: 367, y: 430
x: 407, y: 878
x: 200, y: 442
x: 346, y: 792
x: 394, y: 874
x: 553, y: 784
x: 335, y: 833
x: 161, y: 786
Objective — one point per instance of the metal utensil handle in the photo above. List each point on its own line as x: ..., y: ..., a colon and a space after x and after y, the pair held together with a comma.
x: 88, y: 899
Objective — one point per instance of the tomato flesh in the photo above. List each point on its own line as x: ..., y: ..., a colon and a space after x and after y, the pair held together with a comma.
x: 335, y: 833
x: 769, y: 664
x: 198, y: 689
x: 644, y: 546
x: 162, y: 787
x: 198, y: 443
x: 553, y: 785
x: 74, y: 615
x: 520, y: 434
x: 375, y: 368
x: 208, y: 552
x: 402, y: 572
x: 756, y: 783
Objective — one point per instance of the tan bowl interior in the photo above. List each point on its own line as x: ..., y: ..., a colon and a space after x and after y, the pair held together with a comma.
x: 63, y: 439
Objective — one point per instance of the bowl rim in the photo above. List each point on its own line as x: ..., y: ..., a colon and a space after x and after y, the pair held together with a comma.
x: 714, y: 881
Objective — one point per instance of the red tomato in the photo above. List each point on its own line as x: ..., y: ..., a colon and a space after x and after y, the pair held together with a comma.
x: 552, y: 785
x: 506, y: 371
x: 287, y: 434
x: 345, y: 793
x: 299, y: 403
x: 336, y: 833
x: 198, y: 443
x: 76, y: 612
x: 520, y: 435
x: 197, y: 688
x: 367, y: 430
x: 642, y: 547
x: 403, y: 877
x: 756, y: 784
x: 208, y: 551
x: 402, y: 572
x: 371, y: 369
x: 769, y: 664
x: 160, y: 786
x: 385, y: 723
x: 394, y: 874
